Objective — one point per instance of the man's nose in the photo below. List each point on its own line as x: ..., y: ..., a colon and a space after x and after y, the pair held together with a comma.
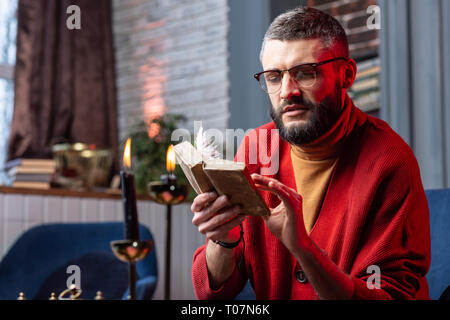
x: 289, y: 87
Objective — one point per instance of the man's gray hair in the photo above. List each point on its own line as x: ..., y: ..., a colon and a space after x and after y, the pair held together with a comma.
x: 308, y: 23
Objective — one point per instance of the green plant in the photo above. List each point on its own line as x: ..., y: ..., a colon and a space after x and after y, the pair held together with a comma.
x: 149, y: 144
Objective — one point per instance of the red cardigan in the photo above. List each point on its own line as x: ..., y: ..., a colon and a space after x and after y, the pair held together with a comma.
x: 374, y: 213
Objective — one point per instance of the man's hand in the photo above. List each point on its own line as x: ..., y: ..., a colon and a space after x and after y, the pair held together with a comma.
x: 286, y: 223
x: 216, y: 218
x: 286, y: 220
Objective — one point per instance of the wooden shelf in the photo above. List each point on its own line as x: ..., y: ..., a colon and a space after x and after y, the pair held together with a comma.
x: 67, y: 193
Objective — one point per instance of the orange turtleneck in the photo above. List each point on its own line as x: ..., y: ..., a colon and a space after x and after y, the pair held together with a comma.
x: 314, y: 163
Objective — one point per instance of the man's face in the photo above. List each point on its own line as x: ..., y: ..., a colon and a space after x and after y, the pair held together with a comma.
x: 303, y: 114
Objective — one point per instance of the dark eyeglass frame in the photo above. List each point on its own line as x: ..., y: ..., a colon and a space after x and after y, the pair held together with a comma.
x: 313, y: 65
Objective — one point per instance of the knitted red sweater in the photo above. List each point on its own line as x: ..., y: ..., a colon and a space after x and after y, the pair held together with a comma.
x: 374, y: 213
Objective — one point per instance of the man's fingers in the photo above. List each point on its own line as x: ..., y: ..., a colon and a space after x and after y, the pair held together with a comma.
x: 275, y: 188
x: 270, y: 189
x: 219, y: 219
x: 265, y: 181
x: 260, y: 179
x: 222, y: 232
x: 205, y: 214
x: 202, y: 200
x: 280, y: 188
x: 288, y: 195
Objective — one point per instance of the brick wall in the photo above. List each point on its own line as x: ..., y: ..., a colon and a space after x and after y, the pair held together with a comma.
x: 171, y: 56
x: 352, y: 14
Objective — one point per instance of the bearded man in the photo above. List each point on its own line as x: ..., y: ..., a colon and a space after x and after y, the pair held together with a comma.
x: 349, y: 217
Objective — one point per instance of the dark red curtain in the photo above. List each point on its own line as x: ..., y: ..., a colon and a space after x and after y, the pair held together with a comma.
x: 64, y: 79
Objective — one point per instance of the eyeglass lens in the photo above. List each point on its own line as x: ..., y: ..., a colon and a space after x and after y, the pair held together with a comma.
x: 304, y: 76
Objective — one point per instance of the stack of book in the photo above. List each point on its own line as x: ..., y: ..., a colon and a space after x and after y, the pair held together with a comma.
x: 31, y: 173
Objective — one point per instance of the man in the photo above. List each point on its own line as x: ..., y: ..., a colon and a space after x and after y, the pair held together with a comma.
x: 346, y: 202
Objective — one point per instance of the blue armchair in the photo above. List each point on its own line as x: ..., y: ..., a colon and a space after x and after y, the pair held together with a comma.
x: 37, y: 262
x: 439, y: 274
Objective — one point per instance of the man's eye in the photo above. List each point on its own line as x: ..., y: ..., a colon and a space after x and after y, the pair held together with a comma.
x: 304, y: 74
x: 272, y: 76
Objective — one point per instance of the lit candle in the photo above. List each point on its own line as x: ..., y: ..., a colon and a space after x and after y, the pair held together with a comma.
x: 170, y: 160
x: 129, y: 195
x: 170, y: 166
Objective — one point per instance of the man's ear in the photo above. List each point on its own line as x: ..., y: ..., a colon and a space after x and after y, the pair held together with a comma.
x: 349, y: 73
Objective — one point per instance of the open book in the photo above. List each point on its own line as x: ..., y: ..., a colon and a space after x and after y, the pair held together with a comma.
x: 223, y: 177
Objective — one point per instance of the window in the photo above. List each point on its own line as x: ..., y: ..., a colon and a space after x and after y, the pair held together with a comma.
x: 8, y: 32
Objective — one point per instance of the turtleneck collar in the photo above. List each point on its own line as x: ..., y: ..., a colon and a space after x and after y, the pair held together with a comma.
x: 329, y: 144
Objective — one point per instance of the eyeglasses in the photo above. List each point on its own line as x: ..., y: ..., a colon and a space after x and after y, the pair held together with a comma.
x: 303, y: 75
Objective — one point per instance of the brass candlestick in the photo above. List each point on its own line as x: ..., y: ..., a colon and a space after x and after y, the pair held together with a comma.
x: 168, y: 192
x: 74, y: 292
x: 131, y: 251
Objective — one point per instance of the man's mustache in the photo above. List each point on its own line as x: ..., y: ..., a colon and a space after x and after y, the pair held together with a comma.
x: 295, y: 100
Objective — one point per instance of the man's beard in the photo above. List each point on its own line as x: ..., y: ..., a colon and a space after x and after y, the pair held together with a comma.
x: 323, y: 116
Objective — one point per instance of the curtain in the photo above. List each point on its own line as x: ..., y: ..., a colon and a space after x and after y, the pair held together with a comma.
x: 415, y: 81
x: 64, y: 79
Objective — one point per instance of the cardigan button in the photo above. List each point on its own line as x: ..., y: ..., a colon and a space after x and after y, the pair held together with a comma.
x: 300, y: 276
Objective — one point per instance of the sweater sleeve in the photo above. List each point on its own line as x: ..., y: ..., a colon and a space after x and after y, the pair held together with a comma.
x: 200, y: 278
x: 394, y: 252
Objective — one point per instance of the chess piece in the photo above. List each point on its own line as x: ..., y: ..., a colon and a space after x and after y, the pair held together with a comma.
x: 99, y: 296
x: 21, y: 296
x: 52, y: 296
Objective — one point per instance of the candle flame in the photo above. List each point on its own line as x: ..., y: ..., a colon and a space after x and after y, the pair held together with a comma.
x: 127, y: 154
x: 170, y: 160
